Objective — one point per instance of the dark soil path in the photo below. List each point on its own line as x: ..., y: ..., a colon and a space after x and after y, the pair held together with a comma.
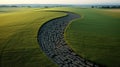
x: 51, y: 40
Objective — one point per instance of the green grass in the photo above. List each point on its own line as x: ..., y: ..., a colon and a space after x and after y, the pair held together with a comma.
x: 18, y: 37
x: 96, y: 35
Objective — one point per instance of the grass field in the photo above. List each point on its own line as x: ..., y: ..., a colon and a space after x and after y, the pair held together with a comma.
x: 18, y: 37
x: 94, y: 36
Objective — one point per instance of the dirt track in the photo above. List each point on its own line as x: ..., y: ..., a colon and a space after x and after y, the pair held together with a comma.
x: 51, y: 40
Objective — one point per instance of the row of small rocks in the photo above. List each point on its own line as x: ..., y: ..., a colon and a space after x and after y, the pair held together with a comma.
x: 51, y: 40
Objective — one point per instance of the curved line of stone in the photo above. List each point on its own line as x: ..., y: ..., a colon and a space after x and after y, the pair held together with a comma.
x: 51, y: 40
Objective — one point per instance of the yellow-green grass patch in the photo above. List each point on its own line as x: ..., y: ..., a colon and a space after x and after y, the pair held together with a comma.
x: 18, y: 38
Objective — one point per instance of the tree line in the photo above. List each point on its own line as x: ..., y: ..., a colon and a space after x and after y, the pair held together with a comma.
x: 13, y: 6
x: 106, y: 6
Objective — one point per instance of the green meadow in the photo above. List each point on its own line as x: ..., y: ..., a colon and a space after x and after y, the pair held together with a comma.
x: 18, y: 37
x: 94, y: 36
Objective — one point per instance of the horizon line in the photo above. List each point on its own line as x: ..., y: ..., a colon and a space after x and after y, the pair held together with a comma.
x: 58, y: 4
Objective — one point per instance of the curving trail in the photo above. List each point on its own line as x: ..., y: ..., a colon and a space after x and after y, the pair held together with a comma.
x: 51, y: 40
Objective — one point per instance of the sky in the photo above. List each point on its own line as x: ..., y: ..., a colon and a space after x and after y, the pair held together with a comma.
x: 60, y: 2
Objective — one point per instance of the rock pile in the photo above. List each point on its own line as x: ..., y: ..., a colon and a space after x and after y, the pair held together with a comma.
x: 51, y: 40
